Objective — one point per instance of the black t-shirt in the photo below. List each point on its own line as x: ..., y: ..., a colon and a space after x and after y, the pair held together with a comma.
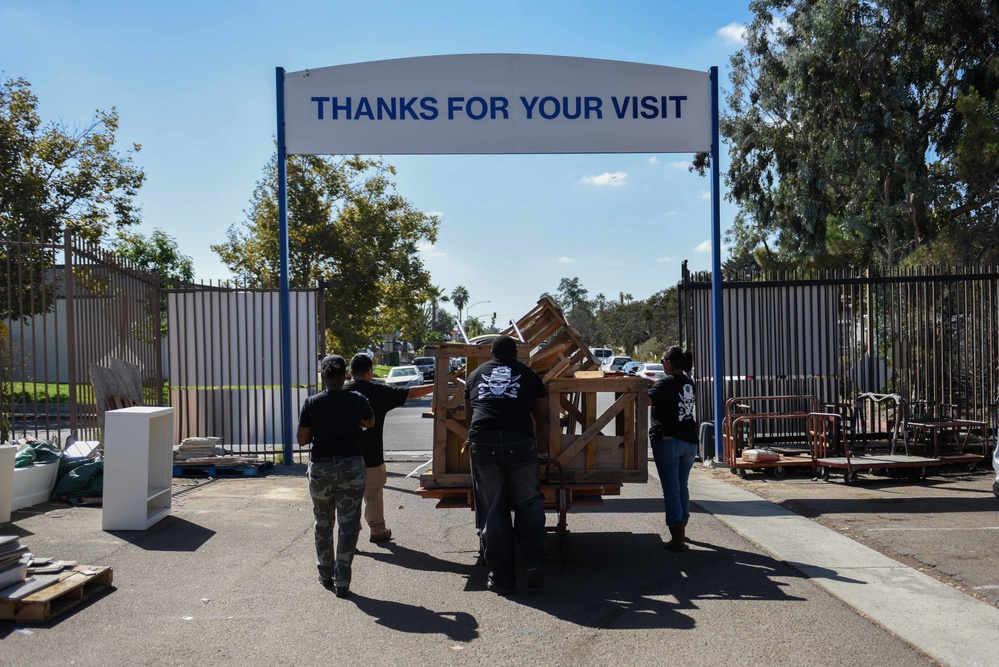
x: 382, y: 398
x: 502, y: 392
x: 335, y: 419
x: 673, y: 409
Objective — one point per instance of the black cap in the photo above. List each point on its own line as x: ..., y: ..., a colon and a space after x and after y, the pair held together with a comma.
x: 333, y: 364
x: 504, y: 346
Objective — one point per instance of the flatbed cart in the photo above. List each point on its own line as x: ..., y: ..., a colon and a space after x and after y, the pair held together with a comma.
x: 739, y: 432
x: 560, y: 497
x: 825, y: 428
x: 951, y: 439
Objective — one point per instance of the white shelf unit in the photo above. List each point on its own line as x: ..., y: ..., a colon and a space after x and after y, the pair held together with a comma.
x: 138, y: 467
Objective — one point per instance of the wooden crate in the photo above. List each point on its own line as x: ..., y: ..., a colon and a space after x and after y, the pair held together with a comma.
x: 577, y: 441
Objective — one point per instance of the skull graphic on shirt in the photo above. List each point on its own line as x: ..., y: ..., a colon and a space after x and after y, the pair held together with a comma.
x: 686, y: 404
x: 501, y: 383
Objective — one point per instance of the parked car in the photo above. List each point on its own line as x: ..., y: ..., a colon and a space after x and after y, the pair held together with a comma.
x: 427, y: 365
x: 601, y: 354
x: 615, y: 363
x: 456, y: 363
x: 631, y: 367
x: 650, y: 372
x: 404, y: 376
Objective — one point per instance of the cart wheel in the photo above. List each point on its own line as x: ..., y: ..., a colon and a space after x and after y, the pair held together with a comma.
x: 563, y: 547
x: 972, y: 467
x: 779, y: 472
x: 825, y: 474
x: 742, y: 473
x: 733, y: 471
x: 850, y: 478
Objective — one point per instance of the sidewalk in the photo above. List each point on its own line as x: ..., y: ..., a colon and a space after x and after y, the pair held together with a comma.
x: 948, y: 625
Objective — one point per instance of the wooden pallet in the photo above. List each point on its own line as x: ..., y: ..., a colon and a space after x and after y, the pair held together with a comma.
x: 72, y: 588
x: 245, y: 470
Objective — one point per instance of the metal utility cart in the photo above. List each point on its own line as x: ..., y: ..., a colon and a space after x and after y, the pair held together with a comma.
x: 952, y: 439
x: 776, y: 421
x: 584, y: 464
x: 828, y: 436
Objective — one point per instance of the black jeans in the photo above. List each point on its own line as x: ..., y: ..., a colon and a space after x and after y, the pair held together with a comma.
x: 506, y: 472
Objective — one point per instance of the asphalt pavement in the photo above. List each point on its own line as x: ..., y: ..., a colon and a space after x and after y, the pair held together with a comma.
x: 229, y: 579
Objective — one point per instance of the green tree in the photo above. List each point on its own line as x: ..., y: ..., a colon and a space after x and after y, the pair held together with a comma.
x: 571, y: 293
x: 624, y: 325
x: 52, y: 179
x: 436, y: 295
x: 866, y: 132
x: 459, y: 297
x: 660, y: 315
x: 348, y: 226
x: 159, y: 253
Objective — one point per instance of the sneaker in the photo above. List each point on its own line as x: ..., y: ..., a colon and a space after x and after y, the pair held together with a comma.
x: 341, y: 591
x: 499, y: 587
x: 535, y: 577
x: 326, y: 583
x: 381, y: 537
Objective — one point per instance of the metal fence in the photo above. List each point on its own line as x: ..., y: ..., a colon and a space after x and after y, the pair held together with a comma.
x: 67, y: 304
x: 224, y: 361
x: 926, y: 334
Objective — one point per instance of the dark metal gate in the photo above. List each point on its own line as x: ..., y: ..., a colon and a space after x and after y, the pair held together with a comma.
x: 65, y: 305
x: 927, y: 334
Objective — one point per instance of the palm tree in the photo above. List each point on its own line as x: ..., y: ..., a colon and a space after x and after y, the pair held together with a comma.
x: 459, y: 296
x: 435, y: 294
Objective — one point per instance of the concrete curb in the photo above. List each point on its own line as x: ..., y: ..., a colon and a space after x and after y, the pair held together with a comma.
x: 942, y: 622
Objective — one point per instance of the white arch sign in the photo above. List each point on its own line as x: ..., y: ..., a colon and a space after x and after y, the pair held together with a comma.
x: 497, y: 104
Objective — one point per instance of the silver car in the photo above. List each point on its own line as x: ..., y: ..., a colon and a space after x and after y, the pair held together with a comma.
x: 404, y: 376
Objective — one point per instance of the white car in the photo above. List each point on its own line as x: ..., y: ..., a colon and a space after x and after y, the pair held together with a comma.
x: 615, y: 363
x: 651, y: 372
x: 601, y: 354
x: 404, y: 376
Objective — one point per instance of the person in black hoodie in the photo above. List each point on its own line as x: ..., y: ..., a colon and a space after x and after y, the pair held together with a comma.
x: 673, y: 434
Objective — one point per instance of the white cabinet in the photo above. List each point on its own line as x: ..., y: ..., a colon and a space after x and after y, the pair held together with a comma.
x: 138, y: 467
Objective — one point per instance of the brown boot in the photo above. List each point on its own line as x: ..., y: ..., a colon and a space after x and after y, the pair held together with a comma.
x: 677, y: 541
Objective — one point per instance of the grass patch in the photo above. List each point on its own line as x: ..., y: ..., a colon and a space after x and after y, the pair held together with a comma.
x: 382, y: 371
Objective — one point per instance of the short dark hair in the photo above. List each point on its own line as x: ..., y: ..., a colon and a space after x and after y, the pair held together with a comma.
x: 361, y: 364
x: 504, y: 346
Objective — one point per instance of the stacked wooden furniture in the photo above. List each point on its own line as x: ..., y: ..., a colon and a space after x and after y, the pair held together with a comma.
x: 577, y: 444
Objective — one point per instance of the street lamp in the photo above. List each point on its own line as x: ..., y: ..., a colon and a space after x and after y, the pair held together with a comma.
x: 468, y: 311
x: 468, y: 317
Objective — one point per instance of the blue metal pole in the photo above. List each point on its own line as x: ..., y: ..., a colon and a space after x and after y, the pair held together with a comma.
x: 285, y: 300
x: 716, y: 274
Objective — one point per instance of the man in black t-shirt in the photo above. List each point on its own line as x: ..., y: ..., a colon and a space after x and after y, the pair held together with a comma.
x: 382, y: 399
x: 332, y: 420
x: 501, y: 397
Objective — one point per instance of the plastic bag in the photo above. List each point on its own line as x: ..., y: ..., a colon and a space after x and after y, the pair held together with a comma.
x: 45, y: 452
x: 24, y: 456
x: 78, y: 478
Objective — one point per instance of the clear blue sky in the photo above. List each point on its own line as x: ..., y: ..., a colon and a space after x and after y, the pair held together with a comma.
x: 193, y: 82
